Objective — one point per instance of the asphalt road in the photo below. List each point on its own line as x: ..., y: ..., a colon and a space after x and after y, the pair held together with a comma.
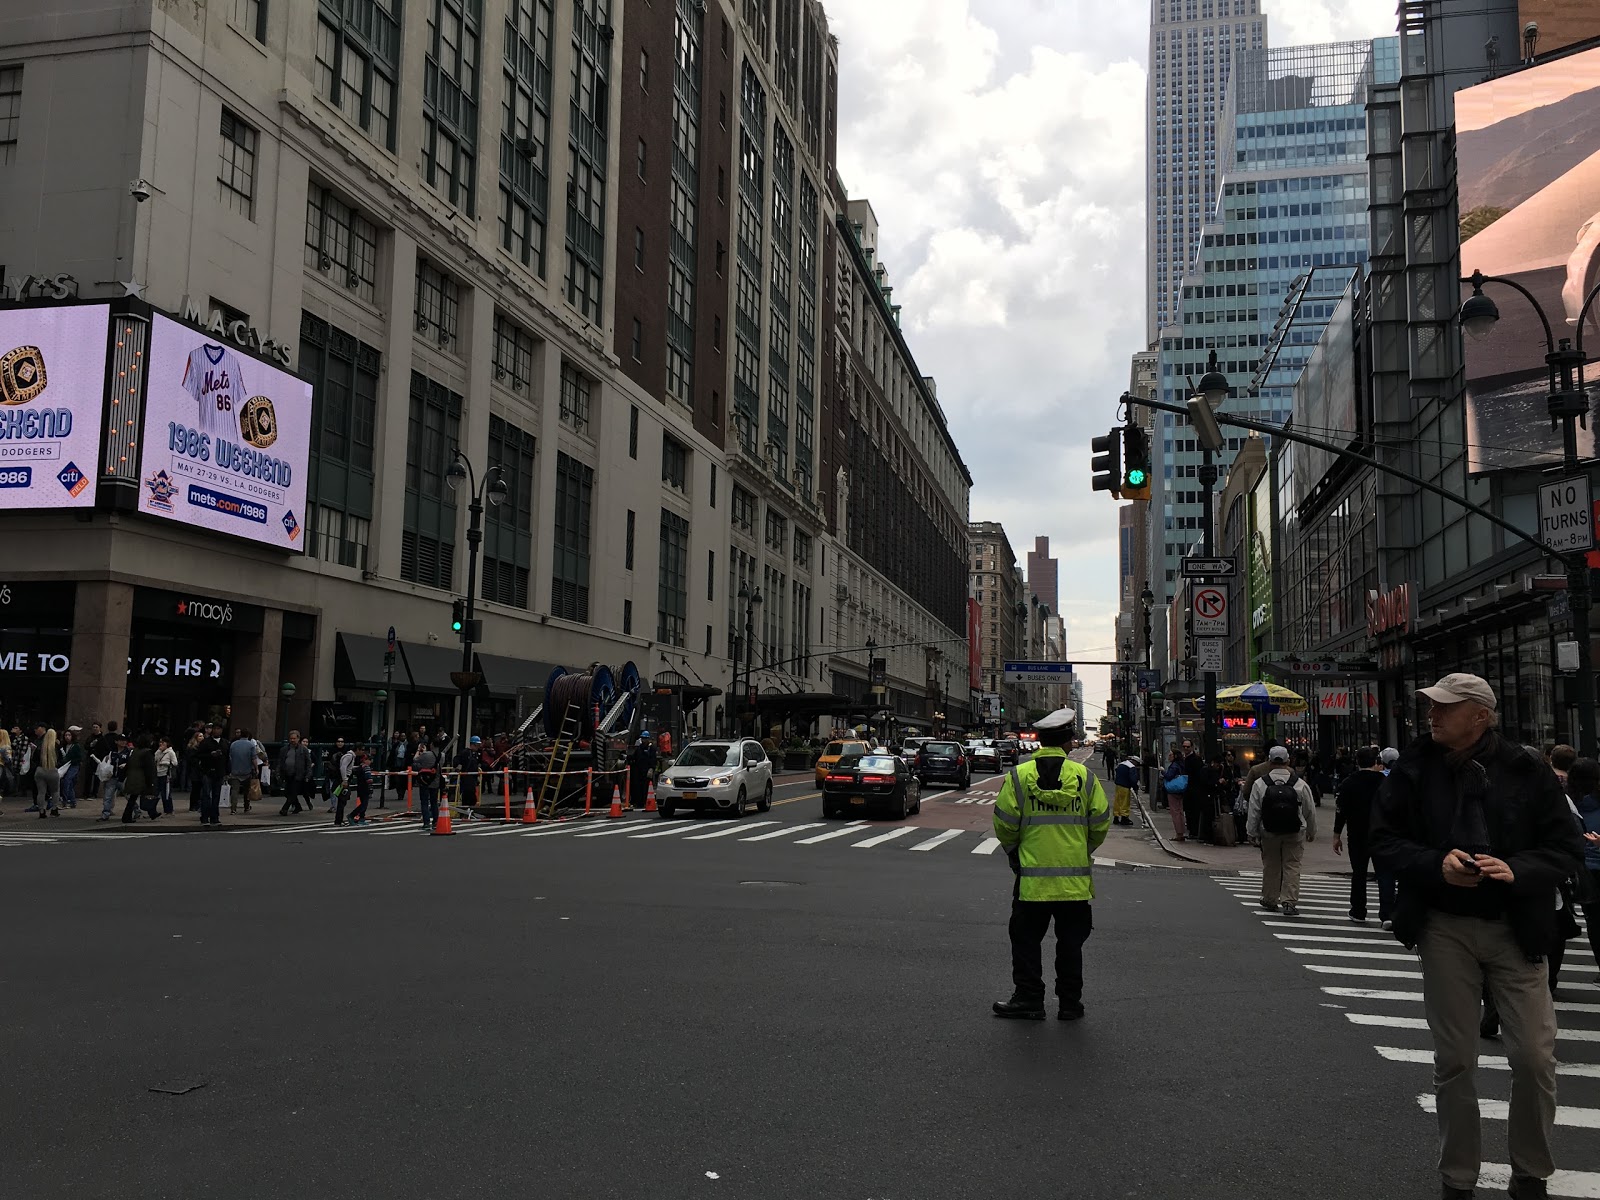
x: 427, y: 1018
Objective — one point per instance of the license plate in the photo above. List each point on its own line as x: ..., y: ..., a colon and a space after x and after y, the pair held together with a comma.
x: 858, y: 799
x: 690, y: 795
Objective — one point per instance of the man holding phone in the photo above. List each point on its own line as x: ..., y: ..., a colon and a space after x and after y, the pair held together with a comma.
x: 1478, y: 832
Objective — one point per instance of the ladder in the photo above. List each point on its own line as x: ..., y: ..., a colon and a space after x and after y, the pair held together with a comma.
x: 560, y: 756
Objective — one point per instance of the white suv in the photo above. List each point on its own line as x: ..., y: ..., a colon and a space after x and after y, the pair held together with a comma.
x: 721, y: 774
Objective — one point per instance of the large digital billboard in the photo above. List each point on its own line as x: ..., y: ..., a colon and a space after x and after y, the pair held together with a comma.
x: 226, y: 439
x: 52, y: 394
x: 1528, y: 152
x: 1325, y: 397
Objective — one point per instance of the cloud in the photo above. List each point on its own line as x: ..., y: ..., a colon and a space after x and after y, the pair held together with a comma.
x: 1001, y: 145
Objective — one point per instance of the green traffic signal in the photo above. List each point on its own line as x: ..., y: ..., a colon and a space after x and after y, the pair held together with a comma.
x: 1136, y: 477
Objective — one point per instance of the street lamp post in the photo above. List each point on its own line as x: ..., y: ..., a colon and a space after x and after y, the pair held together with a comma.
x: 1213, y: 391
x: 1568, y: 403
x: 751, y: 597
x: 493, y: 488
x: 872, y: 682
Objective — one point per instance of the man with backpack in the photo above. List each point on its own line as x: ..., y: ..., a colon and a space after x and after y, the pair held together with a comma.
x: 1282, y: 818
x: 1126, y: 778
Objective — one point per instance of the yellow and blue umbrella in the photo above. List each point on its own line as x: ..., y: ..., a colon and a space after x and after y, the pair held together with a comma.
x: 1261, y: 697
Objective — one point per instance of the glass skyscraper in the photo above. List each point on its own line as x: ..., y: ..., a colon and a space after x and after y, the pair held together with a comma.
x: 1287, y: 231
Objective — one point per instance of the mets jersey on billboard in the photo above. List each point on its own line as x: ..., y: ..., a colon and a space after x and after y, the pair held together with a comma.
x: 216, y: 381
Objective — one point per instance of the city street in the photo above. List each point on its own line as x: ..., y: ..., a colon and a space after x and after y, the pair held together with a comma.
x: 645, y: 1017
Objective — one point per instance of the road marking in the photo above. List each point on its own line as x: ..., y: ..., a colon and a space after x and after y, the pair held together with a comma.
x: 620, y: 827
x: 1500, y: 1110
x: 513, y: 828
x: 1571, y: 1006
x: 1344, y: 927
x: 1570, y: 1185
x: 730, y: 831
x: 1322, y: 937
x: 939, y: 839
x: 1493, y: 1062
x: 670, y: 829
x: 855, y: 827
x: 778, y: 833
x: 1410, y: 958
x: 416, y: 828
x: 1570, y: 1035
x: 796, y: 799
x: 1365, y: 972
x: 988, y: 846
x: 883, y: 837
x: 575, y: 825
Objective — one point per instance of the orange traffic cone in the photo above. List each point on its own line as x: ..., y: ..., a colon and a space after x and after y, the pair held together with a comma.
x: 650, y: 802
x: 616, y: 802
x: 441, y: 824
x: 530, y: 811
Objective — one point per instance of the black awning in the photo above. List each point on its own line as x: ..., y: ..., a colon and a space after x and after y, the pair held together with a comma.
x: 430, y: 667
x: 502, y: 676
x: 795, y: 703
x: 358, y: 662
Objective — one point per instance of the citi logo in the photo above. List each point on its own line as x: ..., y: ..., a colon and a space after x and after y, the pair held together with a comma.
x: 206, y: 610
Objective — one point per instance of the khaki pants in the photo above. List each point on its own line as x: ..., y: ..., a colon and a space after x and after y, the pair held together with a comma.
x: 1280, y: 867
x: 1460, y: 954
x: 1122, y: 803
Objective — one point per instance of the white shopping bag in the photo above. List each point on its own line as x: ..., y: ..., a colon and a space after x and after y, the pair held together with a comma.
x: 225, y: 794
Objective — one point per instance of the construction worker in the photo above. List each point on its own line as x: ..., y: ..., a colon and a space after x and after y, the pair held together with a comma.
x: 1049, y: 817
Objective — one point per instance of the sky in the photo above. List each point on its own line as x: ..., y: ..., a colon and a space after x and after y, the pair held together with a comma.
x: 1001, y: 145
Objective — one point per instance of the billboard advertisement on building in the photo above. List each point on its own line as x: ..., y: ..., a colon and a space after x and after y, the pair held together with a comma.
x: 1560, y: 23
x: 226, y: 440
x: 1325, y: 396
x: 1528, y: 151
x: 52, y: 395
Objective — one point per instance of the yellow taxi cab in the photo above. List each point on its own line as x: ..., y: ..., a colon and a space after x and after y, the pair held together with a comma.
x: 834, y: 751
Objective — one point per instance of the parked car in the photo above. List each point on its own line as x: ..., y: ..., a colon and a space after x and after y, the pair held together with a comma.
x: 982, y: 753
x: 834, y: 751
x: 943, y: 760
x: 721, y: 775
x: 873, y: 783
x: 1010, y: 751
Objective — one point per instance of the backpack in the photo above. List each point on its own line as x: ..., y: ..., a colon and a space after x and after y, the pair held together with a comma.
x: 1126, y: 775
x: 1280, y: 806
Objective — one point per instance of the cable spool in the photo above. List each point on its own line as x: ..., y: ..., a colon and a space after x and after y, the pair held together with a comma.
x: 552, y: 715
x: 571, y: 692
x: 630, y: 683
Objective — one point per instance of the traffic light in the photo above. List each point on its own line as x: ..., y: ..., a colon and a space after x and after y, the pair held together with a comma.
x: 458, y: 615
x: 1107, y: 462
x: 1135, y: 463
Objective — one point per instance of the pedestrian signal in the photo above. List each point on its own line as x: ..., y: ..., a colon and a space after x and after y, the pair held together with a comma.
x: 1135, y: 463
x: 1107, y: 462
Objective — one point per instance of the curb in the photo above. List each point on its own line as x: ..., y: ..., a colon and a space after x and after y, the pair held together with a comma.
x: 1150, y: 823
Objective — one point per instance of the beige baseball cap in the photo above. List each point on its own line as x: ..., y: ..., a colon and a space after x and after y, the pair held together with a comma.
x: 1453, y: 689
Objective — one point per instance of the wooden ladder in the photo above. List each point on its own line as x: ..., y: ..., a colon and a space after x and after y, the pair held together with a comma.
x: 560, y: 756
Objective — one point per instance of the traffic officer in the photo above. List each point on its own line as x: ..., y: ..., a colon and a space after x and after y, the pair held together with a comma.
x: 1049, y: 816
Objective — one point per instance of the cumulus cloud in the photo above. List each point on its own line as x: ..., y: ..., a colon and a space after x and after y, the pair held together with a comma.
x: 1001, y: 144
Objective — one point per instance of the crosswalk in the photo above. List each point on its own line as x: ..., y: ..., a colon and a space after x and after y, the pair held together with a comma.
x: 1377, y: 984
x: 649, y: 830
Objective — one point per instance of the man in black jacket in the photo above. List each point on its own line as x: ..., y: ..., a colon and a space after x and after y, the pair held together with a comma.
x: 1354, y: 804
x: 1479, y: 834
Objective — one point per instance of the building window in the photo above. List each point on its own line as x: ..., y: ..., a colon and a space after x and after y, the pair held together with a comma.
x: 427, y: 540
x: 438, y: 305
x: 450, y: 102
x: 744, y: 510
x: 711, y: 576
x: 251, y: 17
x: 525, y: 133
x: 513, y: 354
x: 713, y: 485
x: 636, y: 345
x: 641, y: 159
x: 802, y: 549
x: 569, y: 585
x: 673, y: 574
x: 627, y: 542
x: 237, y: 170
x: 358, y: 61
x: 586, y: 184
x: 644, y: 70
x: 343, y: 373
x: 674, y: 463
x: 777, y: 530
x: 576, y: 388
x: 638, y: 249
x: 341, y: 243
x: 627, y: 616
x: 633, y: 431
x: 508, y: 526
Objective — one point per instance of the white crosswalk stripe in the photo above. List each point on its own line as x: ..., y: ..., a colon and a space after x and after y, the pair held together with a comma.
x: 938, y: 840
x: 1376, y: 984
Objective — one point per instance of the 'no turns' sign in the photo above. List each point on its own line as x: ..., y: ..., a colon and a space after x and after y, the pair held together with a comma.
x: 1565, y: 522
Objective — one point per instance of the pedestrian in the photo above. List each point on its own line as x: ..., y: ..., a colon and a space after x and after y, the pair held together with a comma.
x: 361, y: 782
x: 1353, y: 810
x: 332, y: 776
x: 1388, y: 756
x: 47, y: 775
x: 8, y: 773
x: 1586, y: 799
x: 1125, y: 777
x: 139, y: 781
x: 1222, y: 787
x: 399, y: 755
x: 294, y: 769
x: 1479, y: 834
x: 166, y: 764
x: 641, y: 761
x: 71, y: 766
x: 1049, y: 817
x: 208, y: 768
x: 241, y: 770
x: 425, y: 765
x: 1282, y: 819
x: 24, y: 761
x: 1175, y: 782
x: 469, y: 772
x: 109, y: 770
x: 1561, y: 759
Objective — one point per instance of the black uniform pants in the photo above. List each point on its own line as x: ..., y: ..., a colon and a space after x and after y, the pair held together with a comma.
x: 1030, y: 921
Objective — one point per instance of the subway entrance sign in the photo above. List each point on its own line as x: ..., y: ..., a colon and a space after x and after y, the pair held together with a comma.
x: 1038, y: 672
x: 1566, y: 509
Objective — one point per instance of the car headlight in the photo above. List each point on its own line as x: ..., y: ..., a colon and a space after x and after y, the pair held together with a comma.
x: 722, y: 781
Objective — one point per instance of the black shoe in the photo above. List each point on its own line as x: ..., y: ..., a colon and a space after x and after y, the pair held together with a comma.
x: 1446, y: 1192
x: 1526, y: 1187
x: 1020, y: 1010
x: 1070, y: 1014
x: 1491, y: 1029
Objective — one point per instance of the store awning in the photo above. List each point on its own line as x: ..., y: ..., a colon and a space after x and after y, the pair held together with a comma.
x: 797, y: 703
x: 502, y: 676
x: 430, y: 667
x: 358, y: 663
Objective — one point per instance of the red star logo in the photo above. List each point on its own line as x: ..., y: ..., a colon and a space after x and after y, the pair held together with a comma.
x: 183, y: 608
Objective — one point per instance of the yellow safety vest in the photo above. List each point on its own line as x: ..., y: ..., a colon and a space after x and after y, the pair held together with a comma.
x: 1054, y: 833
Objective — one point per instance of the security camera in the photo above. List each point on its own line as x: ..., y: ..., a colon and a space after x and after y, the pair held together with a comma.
x: 433, y: 638
x: 139, y: 190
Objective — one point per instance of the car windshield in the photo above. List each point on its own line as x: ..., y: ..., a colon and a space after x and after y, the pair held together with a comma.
x: 941, y: 748
x: 709, y: 754
x: 835, y: 749
x: 878, y: 762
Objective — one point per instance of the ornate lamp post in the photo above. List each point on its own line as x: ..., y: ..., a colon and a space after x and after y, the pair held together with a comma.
x: 494, y: 489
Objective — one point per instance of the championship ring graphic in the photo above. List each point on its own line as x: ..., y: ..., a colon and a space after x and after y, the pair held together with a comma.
x: 21, y: 375
x: 258, y: 423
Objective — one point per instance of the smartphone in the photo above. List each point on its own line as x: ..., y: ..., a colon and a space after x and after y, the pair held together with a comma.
x: 1472, y: 866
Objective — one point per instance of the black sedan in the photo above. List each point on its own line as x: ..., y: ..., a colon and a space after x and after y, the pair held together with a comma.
x: 870, y: 785
x: 943, y: 760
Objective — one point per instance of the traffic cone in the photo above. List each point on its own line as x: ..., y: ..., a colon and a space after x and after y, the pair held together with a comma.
x: 616, y: 803
x: 441, y: 824
x: 530, y: 811
x: 650, y: 802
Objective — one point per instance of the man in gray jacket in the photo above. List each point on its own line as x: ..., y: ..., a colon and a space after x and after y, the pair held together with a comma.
x: 294, y: 767
x: 1283, y: 818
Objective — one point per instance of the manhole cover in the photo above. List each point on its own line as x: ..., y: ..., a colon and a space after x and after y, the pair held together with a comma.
x: 768, y: 883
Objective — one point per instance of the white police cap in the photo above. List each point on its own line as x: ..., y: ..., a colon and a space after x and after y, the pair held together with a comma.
x: 1058, y: 719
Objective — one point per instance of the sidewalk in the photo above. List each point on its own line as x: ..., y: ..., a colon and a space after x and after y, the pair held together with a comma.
x: 86, y: 816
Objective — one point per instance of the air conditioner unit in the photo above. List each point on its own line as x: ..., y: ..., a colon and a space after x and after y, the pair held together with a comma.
x: 422, y: 323
x: 607, y: 33
x: 526, y: 147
